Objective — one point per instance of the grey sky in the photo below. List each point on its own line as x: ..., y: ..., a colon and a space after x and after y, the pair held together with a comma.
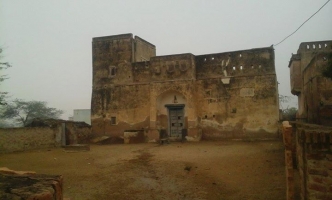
x: 49, y: 42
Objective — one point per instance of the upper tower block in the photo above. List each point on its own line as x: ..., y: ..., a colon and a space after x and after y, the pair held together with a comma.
x: 112, y: 57
x: 143, y: 50
x: 307, y: 50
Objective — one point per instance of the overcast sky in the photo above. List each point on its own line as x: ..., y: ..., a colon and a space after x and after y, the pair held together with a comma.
x: 48, y: 42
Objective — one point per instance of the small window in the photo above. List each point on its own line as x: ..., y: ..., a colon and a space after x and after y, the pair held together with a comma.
x: 252, y: 66
x: 241, y: 67
x: 212, y: 58
x: 325, y: 45
x: 204, y: 59
x: 113, y: 71
x: 314, y: 46
x: 240, y: 55
x: 113, y: 120
x: 308, y: 47
x: 320, y: 46
x: 234, y: 68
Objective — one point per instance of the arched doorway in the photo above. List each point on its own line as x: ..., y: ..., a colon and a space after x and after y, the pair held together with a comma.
x: 171, y: 113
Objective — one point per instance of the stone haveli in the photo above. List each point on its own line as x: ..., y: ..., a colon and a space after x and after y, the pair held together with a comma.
x: 314, y: 91
x: 220, y: 95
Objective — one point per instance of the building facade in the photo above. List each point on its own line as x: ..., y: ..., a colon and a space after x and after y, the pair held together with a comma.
x: 219, y: 95
x: 314, y: 91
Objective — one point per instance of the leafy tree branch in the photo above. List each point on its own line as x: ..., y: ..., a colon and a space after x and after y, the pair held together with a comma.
x: 23, y: 112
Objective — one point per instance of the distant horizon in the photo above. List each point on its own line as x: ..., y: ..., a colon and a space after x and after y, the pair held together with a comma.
x: 48, y: 43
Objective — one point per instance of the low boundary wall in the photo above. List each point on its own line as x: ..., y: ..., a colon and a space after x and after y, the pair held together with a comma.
x: 308, y: 149
x: 21, y: 139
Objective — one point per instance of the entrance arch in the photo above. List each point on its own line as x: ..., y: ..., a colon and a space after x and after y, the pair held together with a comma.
x: 171, y: 112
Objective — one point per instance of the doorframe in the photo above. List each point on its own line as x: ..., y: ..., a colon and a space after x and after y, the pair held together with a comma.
x: 170, y: 106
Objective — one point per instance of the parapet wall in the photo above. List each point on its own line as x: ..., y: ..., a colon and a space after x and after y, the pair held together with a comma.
x: 315, y: 46
x: 307, y: 50
x: 251, y: 62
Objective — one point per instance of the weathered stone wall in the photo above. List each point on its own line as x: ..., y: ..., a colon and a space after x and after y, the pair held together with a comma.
x: 314, y: 160
x: 307, y: 50
x: 317, y: 91
x: 44, y: 136
x: 295, y: 75
x: 252, y: 62
x: 20, y: 139
x: 173, y: 67
x: 112, y: 55
x: 313, y: 90
x: 143, y: 50
x: 77, y: 134
x: 235, y: 110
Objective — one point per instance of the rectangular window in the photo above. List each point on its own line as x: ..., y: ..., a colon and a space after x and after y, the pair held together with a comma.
x: 113, y: 120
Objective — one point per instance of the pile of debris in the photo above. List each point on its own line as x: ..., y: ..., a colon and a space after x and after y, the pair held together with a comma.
x: 29, y: 185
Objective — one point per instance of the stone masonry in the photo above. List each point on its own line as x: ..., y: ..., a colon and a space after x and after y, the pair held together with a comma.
x: 309, y: 147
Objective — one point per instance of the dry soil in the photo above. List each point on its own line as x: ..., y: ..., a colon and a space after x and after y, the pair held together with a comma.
x: 205, y: 170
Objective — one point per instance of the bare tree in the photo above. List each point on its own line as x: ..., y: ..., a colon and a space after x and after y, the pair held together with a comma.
x: 3, y: 65
x: 23, y: 112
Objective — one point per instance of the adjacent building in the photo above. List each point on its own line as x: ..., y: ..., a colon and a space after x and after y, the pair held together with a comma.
x: 219, y: 95
x: 314, y: 91
x: 82, y: 115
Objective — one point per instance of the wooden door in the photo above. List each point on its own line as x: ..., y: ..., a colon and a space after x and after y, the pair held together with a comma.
x: 176, y: 122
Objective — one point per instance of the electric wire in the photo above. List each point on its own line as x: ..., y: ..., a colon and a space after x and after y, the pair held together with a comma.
x: 302, y: 24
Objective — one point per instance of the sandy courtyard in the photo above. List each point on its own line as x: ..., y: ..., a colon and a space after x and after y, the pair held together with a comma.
x: 205, y: 170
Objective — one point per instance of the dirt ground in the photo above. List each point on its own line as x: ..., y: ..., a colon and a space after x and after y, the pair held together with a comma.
x: 204, y: 170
